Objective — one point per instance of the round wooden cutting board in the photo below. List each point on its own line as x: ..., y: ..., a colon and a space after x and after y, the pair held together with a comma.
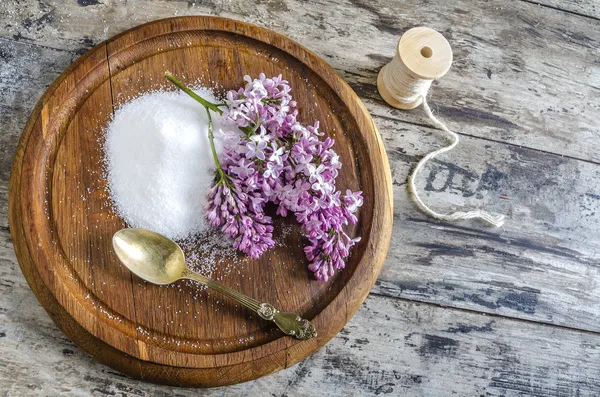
x: 62, y: 222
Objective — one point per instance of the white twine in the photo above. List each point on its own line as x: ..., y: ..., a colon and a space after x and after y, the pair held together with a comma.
x: 407, y: 88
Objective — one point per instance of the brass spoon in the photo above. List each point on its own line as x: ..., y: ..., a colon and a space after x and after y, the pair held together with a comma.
x: 159, y: 260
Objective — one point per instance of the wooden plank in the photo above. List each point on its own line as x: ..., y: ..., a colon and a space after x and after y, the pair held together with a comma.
x: 390, y: 347
x: 25, y: 72
x: 522, y: 73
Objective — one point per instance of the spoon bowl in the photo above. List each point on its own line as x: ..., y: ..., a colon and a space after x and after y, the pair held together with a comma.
x: 150, y: 255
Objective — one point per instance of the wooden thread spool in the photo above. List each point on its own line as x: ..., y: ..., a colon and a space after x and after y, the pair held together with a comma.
x: 422, y: 56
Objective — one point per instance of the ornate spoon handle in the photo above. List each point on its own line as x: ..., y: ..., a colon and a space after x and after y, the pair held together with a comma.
x: 289, y: 323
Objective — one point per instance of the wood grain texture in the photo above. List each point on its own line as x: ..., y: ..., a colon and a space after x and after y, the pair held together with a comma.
x: 62, y: 222
x: 543, y: 268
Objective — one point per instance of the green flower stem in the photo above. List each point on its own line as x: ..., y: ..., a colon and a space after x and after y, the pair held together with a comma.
x: 223, y: 178
x: 211, y: 139
x: 184, y: 88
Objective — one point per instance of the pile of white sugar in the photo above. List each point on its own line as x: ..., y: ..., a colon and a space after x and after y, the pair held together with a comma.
x: 159, y: 163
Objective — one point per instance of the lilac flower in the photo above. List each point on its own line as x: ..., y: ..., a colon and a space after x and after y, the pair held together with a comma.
x: 271, y: 170
x: 352, y: 201
x: 256, y: 150
x: 262, y: 137
x: 276, y: 154
x: 243, y: 170
x: 314, y: 173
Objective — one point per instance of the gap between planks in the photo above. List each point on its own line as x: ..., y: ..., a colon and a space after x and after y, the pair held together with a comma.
x: 486, y: 314
x: 34, y: 44
x: 560, y: 9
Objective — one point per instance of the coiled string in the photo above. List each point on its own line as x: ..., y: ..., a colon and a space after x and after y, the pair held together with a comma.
x: 407, y: 88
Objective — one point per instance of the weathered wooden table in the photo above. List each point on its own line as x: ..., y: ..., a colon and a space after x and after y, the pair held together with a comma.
x: 459, y: 309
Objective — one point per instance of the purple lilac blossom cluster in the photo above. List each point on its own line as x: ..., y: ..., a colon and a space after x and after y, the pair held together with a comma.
x: 276, y: 159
